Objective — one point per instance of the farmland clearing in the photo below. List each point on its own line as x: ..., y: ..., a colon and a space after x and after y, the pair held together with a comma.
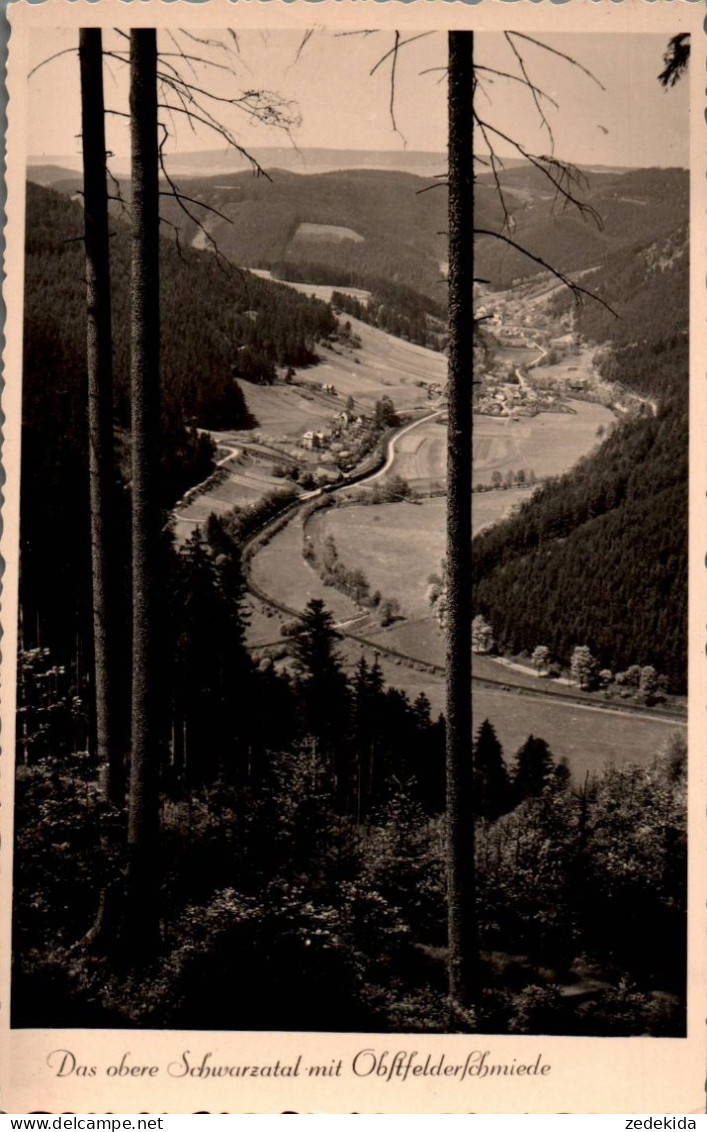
x: 316, y: 290
x: 547, y: 444
x: 398, y: 545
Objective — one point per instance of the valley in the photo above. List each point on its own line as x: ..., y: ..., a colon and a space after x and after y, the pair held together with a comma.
x: 398, y: 545
x: 289, y: 758
x: 346, y: 398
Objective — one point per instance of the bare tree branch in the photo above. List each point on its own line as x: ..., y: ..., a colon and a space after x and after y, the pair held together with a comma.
x: 575, y: 288
x: 51, y: 58
x: 303, y: 43
x: 560, y: 54
x: 220, y: 130
x: 496, y: 163
x: 397, y: 46
x: 507, y: 75
x: 225, y: 265
x: 563, y: 176
x: 179, y: 195
x: 532, y: 89
x: 119, y: 193
x: 428, y: 188
x: 363, y: 33
x: 187, y: 59
x: 392, y: 85
x: 204, y: 40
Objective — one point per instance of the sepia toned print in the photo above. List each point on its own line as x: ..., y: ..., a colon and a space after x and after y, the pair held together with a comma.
x: 352, y: 376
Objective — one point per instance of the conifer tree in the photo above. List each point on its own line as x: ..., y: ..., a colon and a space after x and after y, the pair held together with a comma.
x: 143, y: 808
x: 491, y: 785
x: 533, y: 769
x: 99, y: 368
x: 461, y: 882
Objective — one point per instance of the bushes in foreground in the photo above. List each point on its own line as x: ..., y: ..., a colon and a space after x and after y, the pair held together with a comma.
x: 341, y: 925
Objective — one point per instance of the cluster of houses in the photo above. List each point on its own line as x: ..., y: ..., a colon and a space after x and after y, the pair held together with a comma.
x: 513, y: 401
x: 322, y: 438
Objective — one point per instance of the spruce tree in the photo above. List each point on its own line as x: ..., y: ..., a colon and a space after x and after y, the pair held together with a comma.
x: 461, y: 882
x: 491, y: 784
x: 533, y: 769
x: 143, y: 809
x: 99, y: 368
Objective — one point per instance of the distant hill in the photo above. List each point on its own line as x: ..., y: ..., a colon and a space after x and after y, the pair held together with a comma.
x: 363, y: 225
x: 51, y: 175
x: 305, y: 160
x: 358, y: 225
x: 396, y: 230
x: 632, y: 206
x: 214, y: 326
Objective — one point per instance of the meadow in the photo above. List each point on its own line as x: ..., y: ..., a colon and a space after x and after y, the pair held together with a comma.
x: 548, y: 444
x: 588, y: 737
x: 398, y: 545
x: 381, y: 365
x: 280, y: 571
x: 317, y: 290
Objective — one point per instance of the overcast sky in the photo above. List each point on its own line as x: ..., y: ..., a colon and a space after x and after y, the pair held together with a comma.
x: 633, y: 121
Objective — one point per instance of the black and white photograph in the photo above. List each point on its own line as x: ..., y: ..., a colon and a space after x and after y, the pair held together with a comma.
x: 352, y: 602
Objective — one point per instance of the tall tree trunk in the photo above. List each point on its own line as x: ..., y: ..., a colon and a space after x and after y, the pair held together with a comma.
x: 143, y: 807
x: 461, y: 886
x: 99, y: 364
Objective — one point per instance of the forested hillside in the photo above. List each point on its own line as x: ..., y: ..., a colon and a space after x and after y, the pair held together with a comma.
x: 387, y: 229
x: 633, y: 208
x: 216, y: 325
x: 214, y: 328
x: 599, y: 556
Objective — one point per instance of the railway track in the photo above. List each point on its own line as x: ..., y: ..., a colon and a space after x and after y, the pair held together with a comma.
x: 382, y: 460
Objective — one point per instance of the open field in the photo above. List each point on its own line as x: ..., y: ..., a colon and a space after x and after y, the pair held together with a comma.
x: 588, y: 737
x: 516, y: 355
x: 316, y: 233
x: 548, y: 444
x: 575, y: 367
x: 285, y: 412
x: 398, y: 545
x: 489, y: 507
x: 421, y: 455
x: 264, y: 623
x: 282, y: 573
x: 382, y: 365
x: 419, y: 637
x: 316, y: 290
x: 247, y: 480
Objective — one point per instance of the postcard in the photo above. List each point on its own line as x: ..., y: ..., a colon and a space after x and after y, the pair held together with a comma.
x: 353, y: 608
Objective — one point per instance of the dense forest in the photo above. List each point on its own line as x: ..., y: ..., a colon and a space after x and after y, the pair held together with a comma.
x: 302, y: 840
x: 599, y: 556
x: 632, y: 208
x: 217, y: 324
x: 215, y: 329
x: 397, y: 310
x: 386, y: 228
